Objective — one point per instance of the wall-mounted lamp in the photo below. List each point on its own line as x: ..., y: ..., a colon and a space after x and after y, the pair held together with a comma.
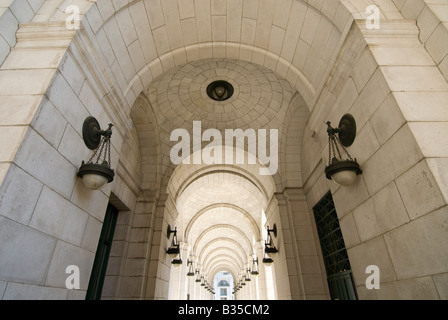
x: 254, y: 270
x: 96, y: 175
x: 248, y: 273
x: 342, y: 172
x: 243, y: 279
x: 190, y: 268
x: 198, y: 276
x: 269, y: 247
x: 174, y: 249
x: 202, y: 281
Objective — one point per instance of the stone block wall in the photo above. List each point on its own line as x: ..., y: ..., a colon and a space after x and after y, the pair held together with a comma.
x: 394, y: 81
x: 392, y: 216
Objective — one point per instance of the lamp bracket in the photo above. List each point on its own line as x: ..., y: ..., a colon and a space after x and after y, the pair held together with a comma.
x: 273, y: 230
x: 92, y: 133
x: 347, y: 130
x: 169, y: 231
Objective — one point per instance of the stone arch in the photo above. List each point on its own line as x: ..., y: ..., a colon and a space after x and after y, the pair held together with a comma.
x: 246, y: 215
x: 229, y: 228
x: 143, y: 118
x: 90, y: 77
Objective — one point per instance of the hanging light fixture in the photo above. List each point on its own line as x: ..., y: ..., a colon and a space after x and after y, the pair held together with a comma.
x: 342, y: 171
x: 198, y: 276
x: 248, y: 273
x: 202, y: 281
x: 220, y: 90
x: 174, y: 249
x: 269, y: 247
x: 96, y: 174
x: 255, y: 266
x: 190, y: 268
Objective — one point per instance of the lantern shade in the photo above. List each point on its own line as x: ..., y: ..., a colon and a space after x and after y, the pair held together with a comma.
x: 344, y: 178
x: 94, y: 181
x: 344, y: 172
x: 174, y: 250
x: 176, y: 262
x: 220, y: 91
x: 268, y: 260
x: 95, y: 176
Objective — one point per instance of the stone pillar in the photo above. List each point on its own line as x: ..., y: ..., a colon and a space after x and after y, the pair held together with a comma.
x: 261, y: 277
x: 306, y: 273
x: 159, y: 269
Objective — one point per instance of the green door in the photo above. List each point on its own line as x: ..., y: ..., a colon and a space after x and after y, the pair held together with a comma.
x: 102, y: 254
x: 337, y: 264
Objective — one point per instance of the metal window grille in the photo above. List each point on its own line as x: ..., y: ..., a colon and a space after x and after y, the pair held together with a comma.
x: 330, y: 235
x: 334, y: 253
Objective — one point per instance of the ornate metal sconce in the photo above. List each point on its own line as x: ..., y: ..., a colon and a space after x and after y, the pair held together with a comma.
x: 202, y: 281
x: 190, y: 268
x: 248, y: 273
x: 254, y: 270
x: 174, y: 249
x: 342, y: 172
x: 243, y: 279
x: 198, y: 276
x: 96, y: 175
x: 269, y: 247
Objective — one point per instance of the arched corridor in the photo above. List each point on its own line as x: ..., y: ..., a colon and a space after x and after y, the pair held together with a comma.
x: 219, y: 148
x: 221, y: 222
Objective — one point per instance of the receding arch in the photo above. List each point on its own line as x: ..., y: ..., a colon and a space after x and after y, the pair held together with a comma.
x: 230, y: 246
x: 245, y: 214
x: 244, y: 247
x: 219, y: 261
x: 109, y: 51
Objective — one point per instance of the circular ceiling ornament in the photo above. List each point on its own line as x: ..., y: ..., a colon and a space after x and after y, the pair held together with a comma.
x: 220, y: 90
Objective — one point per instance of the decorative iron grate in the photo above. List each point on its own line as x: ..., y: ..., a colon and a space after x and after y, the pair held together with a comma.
x: 330, y: 236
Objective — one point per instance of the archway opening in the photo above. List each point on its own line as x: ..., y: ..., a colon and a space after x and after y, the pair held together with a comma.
x: 223, y: 285
x: 221, y: 224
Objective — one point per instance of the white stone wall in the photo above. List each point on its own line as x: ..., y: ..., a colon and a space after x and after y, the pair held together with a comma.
x: 396, y: 196
x: 394, y: 81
